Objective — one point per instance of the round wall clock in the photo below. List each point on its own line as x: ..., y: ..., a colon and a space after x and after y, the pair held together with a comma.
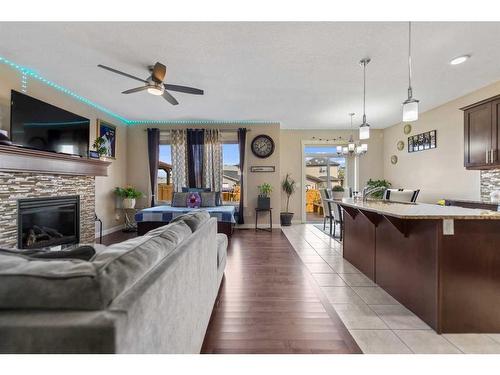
x: 394, y: 159
x: 400, y: 145
x: 407, y: 129
x: 262, y: 146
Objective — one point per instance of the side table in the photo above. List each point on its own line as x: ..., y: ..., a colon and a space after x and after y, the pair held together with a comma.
x: 257, y: 211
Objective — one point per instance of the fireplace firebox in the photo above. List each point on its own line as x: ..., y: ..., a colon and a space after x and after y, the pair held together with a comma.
x: 48, y: 222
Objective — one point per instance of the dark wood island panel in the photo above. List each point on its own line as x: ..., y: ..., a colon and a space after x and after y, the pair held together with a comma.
x: 407, y: 267
x: 446, y: 269
x: 470, y: 278
x: 360, y: 249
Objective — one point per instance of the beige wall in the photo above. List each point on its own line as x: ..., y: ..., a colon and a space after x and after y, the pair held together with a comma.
x: 117, y: 172
x: 370, y: 165
x: 138, y: 174
x: 440, y: 172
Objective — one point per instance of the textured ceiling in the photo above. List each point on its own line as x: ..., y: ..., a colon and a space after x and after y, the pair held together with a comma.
x: 304, y: 75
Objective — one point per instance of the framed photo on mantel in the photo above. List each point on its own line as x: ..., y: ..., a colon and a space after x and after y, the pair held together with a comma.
x: 423, y: 141
x: 108, y: 132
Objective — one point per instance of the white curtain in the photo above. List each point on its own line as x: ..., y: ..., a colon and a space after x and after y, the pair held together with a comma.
x: 178, y: 143
x: 212, y: 160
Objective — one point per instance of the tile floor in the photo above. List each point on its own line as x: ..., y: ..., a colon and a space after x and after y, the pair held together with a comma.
x: 377, y: 322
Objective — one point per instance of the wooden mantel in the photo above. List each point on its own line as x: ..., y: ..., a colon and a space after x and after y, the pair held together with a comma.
x: 18, y: 159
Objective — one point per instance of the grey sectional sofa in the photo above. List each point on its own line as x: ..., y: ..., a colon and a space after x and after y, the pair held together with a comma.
x: 151, y: 294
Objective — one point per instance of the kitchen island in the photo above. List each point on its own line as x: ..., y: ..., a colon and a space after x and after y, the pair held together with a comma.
x: 441, y: 262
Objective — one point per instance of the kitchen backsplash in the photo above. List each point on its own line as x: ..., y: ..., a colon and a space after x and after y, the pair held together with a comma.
x: 490, y: 181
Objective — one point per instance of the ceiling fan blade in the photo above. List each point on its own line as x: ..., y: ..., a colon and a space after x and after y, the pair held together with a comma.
x: 159, y: 72
x: 137, y: 89
x: 185, y: 89
x: 121, y: 73
x: 169, y: 98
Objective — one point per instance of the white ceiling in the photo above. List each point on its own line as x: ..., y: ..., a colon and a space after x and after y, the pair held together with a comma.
x: 304, y: 75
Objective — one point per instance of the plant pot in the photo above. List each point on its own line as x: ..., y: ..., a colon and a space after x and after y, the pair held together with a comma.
x: 286, y: 219
x: 337, y: 195
x: 128, y: 203
x: 263, y: 202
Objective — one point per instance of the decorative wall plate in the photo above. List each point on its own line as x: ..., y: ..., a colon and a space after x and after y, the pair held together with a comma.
x: 400, y: 145
x: 407, y: 129
x: 394, y: 159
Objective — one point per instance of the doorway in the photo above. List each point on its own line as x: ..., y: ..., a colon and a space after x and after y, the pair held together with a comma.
x: 322, y: 168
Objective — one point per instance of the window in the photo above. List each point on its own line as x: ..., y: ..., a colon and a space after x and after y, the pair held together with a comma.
x: 165, y: 187
x: 231, y: 172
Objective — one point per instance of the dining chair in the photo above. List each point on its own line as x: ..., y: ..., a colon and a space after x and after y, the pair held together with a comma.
x: 401, y: 195
x: 327, y: 211
x: 337, y: 219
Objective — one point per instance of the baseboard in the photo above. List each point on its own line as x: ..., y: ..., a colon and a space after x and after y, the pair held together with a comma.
x: 252, y: 226
x: 110, y: 230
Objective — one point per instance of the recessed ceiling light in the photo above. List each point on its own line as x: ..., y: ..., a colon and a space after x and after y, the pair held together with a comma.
x: 459, y: 59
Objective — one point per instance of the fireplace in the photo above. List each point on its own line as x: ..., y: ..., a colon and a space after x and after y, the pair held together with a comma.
x: 48, y: 222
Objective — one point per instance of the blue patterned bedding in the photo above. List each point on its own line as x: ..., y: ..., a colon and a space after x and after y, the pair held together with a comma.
x: 165, y: 214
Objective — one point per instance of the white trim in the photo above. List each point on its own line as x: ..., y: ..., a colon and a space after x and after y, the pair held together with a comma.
x: 109, y: 230
x: 260, y: 225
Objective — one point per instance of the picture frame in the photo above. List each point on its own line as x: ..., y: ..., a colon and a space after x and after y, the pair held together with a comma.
x: 263, y: 168
x: 108, y: 132
x: 422, y: 141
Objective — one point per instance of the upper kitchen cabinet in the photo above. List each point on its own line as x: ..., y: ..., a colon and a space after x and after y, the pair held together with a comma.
x: 481, y: 134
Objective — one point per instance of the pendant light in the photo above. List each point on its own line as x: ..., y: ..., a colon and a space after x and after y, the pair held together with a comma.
x: 364, y: 129
x: 351, y: 146
x: 410, y: 105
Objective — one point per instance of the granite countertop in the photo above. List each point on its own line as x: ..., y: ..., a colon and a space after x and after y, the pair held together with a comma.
x: 420, y: 210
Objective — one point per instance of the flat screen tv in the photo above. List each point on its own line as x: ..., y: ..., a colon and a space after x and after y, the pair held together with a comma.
x: 42, y: 126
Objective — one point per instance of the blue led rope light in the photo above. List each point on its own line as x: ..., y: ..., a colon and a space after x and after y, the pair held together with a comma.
x: 29, y: 73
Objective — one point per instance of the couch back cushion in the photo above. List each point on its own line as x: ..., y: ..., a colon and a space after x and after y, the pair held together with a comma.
x: 79, y: 285
x: 193, y: 219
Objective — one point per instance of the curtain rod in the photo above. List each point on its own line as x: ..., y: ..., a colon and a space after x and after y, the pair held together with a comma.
x: 222, y: 130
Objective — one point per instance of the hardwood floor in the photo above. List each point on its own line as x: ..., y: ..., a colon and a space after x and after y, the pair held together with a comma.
x: 116, y: 237
x: 269, y: 303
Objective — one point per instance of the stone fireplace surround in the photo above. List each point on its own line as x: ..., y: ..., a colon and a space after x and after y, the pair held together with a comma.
x: 26, y: 173
x: 21, y: 185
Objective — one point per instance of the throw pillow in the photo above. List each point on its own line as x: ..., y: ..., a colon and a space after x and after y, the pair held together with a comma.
x: 193, y: 200
x: 208, y: 199
x: 179, y: 199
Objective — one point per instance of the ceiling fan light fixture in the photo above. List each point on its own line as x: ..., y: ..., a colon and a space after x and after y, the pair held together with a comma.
x: 156, y: 90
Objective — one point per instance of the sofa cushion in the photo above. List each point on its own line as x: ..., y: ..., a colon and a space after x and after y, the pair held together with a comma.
x: 221, y: 247
x: 175, y: 232
x: 80, y: 285
x: 193, y: 219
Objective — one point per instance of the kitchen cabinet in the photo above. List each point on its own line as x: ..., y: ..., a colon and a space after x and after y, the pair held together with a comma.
x: 481, y: 134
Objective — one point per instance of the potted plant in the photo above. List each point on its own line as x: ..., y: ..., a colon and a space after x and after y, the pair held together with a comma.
x: 378, y: 183
x: 337, y: 192
x: 264, y: 199
x: 129, y: 194
x: 99, y: 146
x: 288, y: 186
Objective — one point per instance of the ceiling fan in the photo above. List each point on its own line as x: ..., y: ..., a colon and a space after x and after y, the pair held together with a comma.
x: 154, y: 83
